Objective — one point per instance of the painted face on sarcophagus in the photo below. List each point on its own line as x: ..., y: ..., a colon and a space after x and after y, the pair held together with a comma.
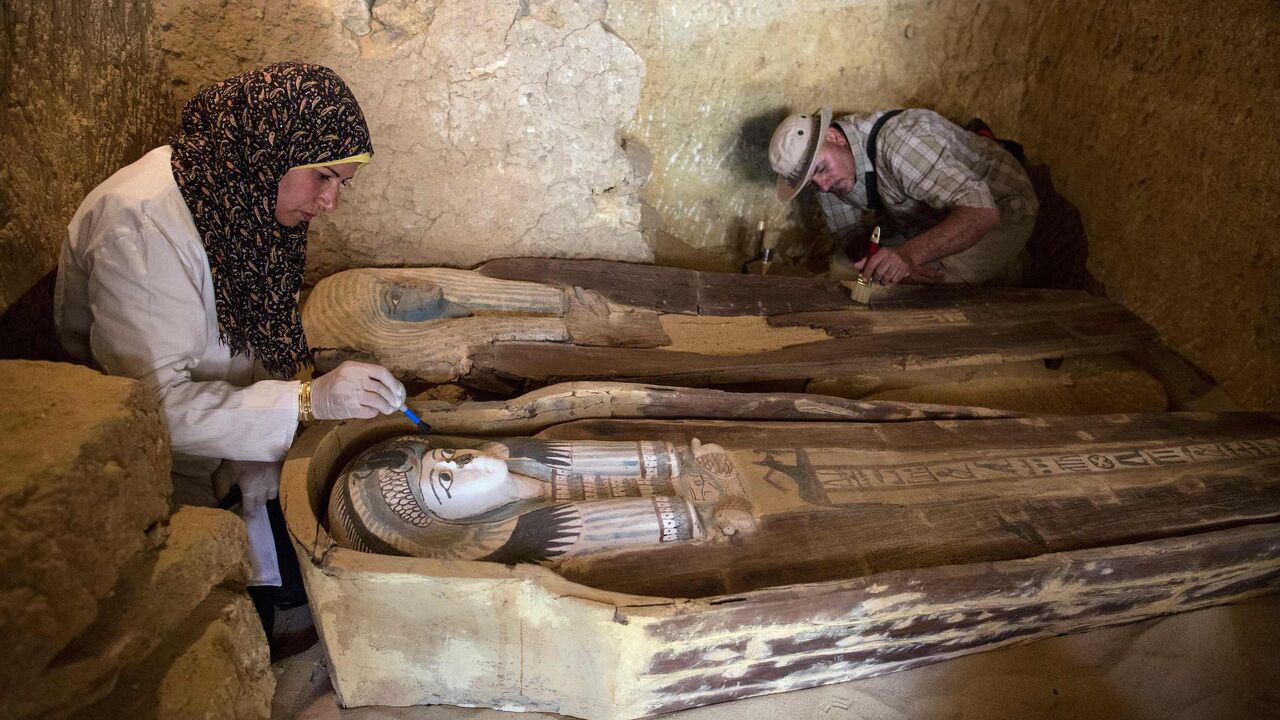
x: 417, y: 302
x: 458, y: 484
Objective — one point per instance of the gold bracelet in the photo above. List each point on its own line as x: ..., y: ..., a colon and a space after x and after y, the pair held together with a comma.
x: 305, y: 412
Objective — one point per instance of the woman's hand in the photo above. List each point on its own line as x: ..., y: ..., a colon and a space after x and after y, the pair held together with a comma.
x: 356, y: 390
x: 258, y: 482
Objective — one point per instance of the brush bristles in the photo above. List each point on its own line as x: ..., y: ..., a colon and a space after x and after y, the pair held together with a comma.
x: 860, y: 291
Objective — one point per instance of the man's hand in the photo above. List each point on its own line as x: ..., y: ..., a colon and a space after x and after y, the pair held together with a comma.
x: 890, y: 267
x: 960, y: 229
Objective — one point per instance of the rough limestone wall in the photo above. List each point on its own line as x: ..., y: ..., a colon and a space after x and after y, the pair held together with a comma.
x: 494, y: 123
x: 1159, y: 121
x: 81, y: 94
x: 720, y: 76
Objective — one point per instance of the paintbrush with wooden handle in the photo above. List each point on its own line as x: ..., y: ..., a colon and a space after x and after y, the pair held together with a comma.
x: 860, y: 289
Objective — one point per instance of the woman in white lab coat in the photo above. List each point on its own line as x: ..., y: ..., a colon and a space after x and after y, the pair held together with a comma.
x: 183, y: 270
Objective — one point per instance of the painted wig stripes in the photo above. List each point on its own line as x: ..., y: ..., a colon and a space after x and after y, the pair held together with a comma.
x: 237, y: 139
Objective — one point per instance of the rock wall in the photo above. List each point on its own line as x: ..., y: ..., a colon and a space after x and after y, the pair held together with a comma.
x: 1158, y: 120
x: 494, y: 124
x: 81, y: 94
x: 105, y: 597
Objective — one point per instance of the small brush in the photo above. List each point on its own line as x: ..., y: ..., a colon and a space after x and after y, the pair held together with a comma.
x: 860, y: 289
x: 768, y: 244
x: 422, y: 426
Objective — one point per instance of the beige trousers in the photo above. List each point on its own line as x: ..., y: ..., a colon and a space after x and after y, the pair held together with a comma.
x: 997, y: 256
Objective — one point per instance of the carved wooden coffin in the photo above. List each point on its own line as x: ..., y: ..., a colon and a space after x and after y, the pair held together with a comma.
x: 966, y: 534
x: 511, y: 322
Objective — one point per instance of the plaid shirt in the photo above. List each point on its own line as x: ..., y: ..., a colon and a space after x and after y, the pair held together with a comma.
x: 925, y: 165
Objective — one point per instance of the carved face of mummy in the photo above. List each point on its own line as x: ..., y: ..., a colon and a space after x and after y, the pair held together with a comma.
x: 458, y: 484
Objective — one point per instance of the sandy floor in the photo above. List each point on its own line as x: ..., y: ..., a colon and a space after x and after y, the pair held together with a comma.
x: 1216, y: 664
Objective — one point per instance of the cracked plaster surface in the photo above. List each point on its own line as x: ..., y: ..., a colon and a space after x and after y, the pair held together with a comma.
x: 494, y: 123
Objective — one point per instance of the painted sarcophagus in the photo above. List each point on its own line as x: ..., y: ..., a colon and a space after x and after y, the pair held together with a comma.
x: 643, y: 563
x: 522, y: 322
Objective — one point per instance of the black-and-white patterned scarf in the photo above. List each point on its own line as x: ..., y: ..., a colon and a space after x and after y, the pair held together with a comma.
x: 238, y: 138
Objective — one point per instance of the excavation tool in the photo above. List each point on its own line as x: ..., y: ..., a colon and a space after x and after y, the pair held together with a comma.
x: 767, y: 242
x: 422, y: 426
x: 860, y: 289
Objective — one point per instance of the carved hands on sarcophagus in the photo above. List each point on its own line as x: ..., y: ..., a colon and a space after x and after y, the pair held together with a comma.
x: 594, y: 321
x: 716, y: 486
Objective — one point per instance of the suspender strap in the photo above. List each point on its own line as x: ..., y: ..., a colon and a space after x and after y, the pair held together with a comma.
x: 873, y: 190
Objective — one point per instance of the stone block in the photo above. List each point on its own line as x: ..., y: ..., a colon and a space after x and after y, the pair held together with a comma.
x: 204, y: 549
x: 86, y: 460
x: 216, y: 667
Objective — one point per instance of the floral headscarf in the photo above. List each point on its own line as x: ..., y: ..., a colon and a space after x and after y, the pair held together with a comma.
x: 238, y: 138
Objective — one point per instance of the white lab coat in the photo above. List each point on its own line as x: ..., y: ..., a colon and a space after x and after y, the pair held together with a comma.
x: 135, y: 298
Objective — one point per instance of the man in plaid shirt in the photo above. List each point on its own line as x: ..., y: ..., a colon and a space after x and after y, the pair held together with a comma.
x: 955, y: 206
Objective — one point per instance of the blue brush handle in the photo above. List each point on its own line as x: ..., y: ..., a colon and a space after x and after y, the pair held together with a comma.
x: 425, y: 428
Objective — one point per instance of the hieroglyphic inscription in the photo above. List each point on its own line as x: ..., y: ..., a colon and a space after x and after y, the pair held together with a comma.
x: 930, y: 317
x: 790, y: 471
x: 837, y: 479
x: 673, y: 517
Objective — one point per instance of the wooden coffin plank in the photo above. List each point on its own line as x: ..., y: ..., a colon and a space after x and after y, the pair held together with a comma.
x: 441, y: 325
x: 916, y: 348
x: 1084, y: 431
x: 868, y: 539
x: 576, y: 401
x: 925, y: 494
x: 955, y: 295
x: 900, y: 620
x: 590, y: 321
x: 676, y: 290
x: 1084, y: 315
